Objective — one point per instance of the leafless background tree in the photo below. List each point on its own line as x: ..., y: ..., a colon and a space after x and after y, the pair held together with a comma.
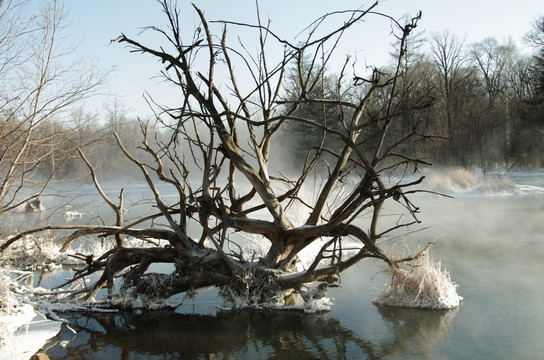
x: 38, y: 85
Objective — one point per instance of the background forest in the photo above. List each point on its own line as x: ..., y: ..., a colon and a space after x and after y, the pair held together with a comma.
x: 487, y: 102
x: 486, y: 111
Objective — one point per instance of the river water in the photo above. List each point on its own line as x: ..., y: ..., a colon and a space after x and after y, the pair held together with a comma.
x: 490, y: 238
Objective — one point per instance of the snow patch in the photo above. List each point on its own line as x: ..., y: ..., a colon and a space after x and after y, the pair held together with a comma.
x: 314, y: 305
x: 72, y: 215
x: 32, y: 330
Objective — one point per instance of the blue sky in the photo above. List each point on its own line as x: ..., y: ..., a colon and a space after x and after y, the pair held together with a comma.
x: 93, y: 23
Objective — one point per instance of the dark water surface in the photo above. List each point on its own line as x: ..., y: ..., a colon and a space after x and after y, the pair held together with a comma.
x: 493, y: 248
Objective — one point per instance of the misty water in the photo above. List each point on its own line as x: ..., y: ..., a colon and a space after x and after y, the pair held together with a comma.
x: 489, y: 237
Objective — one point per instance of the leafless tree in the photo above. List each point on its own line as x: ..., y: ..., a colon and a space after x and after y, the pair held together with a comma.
x: 492, y: 61
x: 37, y: 85
x: 220, y: 159
x: 535, y: 37
x: 451, y: 63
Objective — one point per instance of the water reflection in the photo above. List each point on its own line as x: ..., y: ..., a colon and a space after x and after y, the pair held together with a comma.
x: 247, y: 334
x: 415, y: 332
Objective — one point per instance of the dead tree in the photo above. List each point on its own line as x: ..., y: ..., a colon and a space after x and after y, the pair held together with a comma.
x: 218, y: 160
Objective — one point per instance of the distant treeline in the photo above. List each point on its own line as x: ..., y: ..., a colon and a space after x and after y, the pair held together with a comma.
x: 487, y: 103
x: 481, y: 105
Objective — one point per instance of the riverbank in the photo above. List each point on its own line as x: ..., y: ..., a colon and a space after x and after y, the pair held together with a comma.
x: 25, y: 332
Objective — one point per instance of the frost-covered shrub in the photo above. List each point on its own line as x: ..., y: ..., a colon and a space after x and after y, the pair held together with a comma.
x: 426, y: 285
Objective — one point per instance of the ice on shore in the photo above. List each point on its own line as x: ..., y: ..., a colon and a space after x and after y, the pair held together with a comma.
x: 25, y: 332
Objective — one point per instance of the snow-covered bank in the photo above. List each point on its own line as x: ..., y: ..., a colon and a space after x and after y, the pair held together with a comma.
x: 23, y: 330
x: 26, y: 332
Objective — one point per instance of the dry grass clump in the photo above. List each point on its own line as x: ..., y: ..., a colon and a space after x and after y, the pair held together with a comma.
x: 452, y: 181
x: 463, y: 179
x: 424, y: 285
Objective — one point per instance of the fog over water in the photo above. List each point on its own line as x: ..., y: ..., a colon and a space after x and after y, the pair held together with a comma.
x: 489, y: 237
